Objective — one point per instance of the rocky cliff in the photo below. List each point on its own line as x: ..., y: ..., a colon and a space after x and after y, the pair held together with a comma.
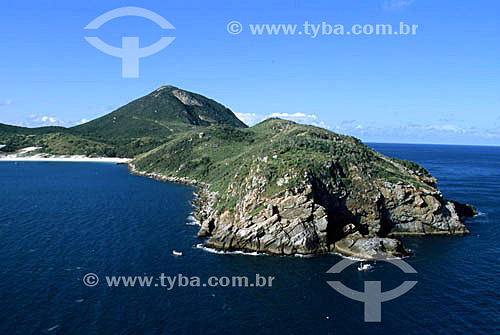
x: 285, y: 188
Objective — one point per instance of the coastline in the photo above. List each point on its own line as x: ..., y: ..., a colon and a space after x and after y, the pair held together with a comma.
x: 203, y: 205
x: 203, y: 198
x: 73, y: 159
x: 161, y: 177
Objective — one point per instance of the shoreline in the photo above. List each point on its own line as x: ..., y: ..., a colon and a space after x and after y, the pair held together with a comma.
x: 203, y: 207
x: 161, y: 177
x: 201, y: 194
x: 202, y: 204
x: 69, y: 159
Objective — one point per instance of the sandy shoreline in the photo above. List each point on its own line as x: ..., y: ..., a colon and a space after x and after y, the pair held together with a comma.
x: 74, y: 159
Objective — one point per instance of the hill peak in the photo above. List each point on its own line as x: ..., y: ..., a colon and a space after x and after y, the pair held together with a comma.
x: 162, y: 112
x: 185, y: 97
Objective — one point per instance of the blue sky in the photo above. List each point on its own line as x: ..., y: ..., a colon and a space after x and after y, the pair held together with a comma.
x: 439, y: 86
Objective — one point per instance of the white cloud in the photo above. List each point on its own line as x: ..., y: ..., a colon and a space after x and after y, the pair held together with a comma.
x: 410, y: 132
x: 396, y: 4
x: 298, y: 117
x: 35, y: 120
x: 45, y: 120
x: 295, y: 116
x: 253, y: 118
x: 447, y: 127
x: 49, y: 119
x: 421, y: 133
x: 249, y: 119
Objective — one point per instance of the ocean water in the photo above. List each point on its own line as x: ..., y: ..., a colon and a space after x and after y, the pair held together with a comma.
x: 60, y: 221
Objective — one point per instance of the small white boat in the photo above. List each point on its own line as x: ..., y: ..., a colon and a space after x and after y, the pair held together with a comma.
x: 177, y: 253
x: 365, y: 267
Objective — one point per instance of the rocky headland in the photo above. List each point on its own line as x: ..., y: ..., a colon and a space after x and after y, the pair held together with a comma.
x: 277, y: 187
x: 284, y: 188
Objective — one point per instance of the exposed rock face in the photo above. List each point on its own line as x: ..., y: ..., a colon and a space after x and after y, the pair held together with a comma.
x: 325, y: 214
x: 289, y: 224
x: 315, y: 221
x: 185, y: 98
x: 285, y: 188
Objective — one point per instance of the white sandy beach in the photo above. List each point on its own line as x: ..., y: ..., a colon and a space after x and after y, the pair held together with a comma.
x: 46, y: 158
x: 22, y: 156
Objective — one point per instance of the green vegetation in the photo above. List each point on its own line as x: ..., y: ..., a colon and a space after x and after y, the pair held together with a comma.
x: 419, y: 170
x: 182, y: 134
x: 272, y: 156
x: 135, y: 128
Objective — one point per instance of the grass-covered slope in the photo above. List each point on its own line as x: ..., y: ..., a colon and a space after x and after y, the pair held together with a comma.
x: 59, y: 144
x: 135, y: 128
x: 221, y: 156
x: 53, y: 140
x: 164, y: 112
x: 286, y: 188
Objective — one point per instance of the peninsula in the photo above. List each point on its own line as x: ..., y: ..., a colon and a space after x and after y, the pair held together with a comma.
x: 278, y: 187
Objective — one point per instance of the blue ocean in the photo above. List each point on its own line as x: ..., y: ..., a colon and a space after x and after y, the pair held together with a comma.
x: 61, y: 221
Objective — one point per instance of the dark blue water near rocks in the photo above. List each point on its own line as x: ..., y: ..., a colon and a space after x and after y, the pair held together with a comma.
x: 59, y: 221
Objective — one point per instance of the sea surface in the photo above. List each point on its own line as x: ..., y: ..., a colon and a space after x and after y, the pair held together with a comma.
x: 61, y: 221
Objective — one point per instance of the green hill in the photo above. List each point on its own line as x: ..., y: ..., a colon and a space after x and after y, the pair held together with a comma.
x: 137, y: 127
x: 159, y: 113
x: 223, y: 155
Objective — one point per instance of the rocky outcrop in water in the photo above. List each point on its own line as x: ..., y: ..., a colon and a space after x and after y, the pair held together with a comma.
x: 359, y: 221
